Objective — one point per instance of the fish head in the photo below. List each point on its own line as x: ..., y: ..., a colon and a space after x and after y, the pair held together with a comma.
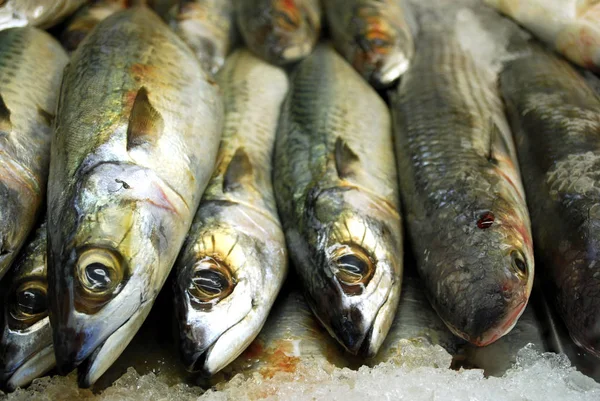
x: 227, y: 280
x: 109, y: 256
x: 356, y: 265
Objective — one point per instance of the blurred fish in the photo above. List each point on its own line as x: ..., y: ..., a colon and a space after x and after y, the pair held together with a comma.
x: 208, y: 27
x: 234, y: 260
x: 136, y: 139
x: 375, y: 36
x: 556, y: 120
x: 572, y: 27
x: 26, y: 350
x: 460, y: 185
x: 279, y: 31
x: 31, y: 66
x: 41, y: 13
x: 336, y: 189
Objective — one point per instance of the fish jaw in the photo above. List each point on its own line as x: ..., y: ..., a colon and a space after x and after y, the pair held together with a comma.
x: 38, y: 365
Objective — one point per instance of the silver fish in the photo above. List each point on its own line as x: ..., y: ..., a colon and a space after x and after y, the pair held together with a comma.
x: 41, y: 13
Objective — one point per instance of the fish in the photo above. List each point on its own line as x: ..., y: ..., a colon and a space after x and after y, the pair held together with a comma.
x: 375, y: 36
x: 31, y: 65
x: 337, y: 194
x: 554, y: 114
x: 136, y: 138
x: 279, y: 31
x: 208, y: 27
x: 234, y: 260
x: 26, y: 350
x: 571, y: 27
x: 465, y: 207
x: 40, y: 13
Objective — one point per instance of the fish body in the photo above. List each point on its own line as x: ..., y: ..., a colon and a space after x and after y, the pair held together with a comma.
x: 461, y: 190
x: 555, y: 118
x: 572, y: 27
x: 26, y: 350
x: 31, y: 65
x: 374, y: 36
x: 336, y: 190
x: 279, y: 31
x: 136, y: 139
x: 234, y: 260
x: 40, y: 13
x: 208, y: 27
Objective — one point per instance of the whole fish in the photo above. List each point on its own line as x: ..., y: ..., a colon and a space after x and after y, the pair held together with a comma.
x: 208, y: 27
x: 31, y: 66
x: 136, y: 139
x: 555, y: 116
x: 375, y: 36
x: 26, y: 350
x: 572, y: 27
x: 41, y: 13
x: 234, y: 260
x: 279, y: 31
x: 336, y: 189
x: 461, y: 190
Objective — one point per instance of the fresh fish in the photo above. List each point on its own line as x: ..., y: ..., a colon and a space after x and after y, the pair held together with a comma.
x: 279, y: 31
x: 336, y: 189
x: 555, y: 116
x: 26, y: 350
x: 375, y: 36
x: 41, y: 13
x: 136, y: 139
x: 234, y: 260
x: 208, y: 27
x: 31, y: 65
x: 572, y: 27
x: 461, y: 190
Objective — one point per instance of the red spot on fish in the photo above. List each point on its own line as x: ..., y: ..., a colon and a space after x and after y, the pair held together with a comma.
x: 486, y: 220
x: 290, y: 4
x: 254, y: 350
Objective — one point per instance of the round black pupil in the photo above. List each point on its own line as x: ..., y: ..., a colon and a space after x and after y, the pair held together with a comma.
x: 32, y: 301
x: 352, y: 266
x: 520, y: 263
x: 211, y: 282
x: 98, y: 276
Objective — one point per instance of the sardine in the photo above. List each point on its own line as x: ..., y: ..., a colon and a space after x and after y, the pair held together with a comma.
x: 26, y: 350
x: 461, y: 190
x: 337, y: 192
x: 375, y: 36
x: 136, y: 139
x: 208, y: 27
x: 31, y: 66
x: 555, y: 116
x: 279, y: 31
x: 572, y: 27
x: 234, y: 260
x: 41, y: 13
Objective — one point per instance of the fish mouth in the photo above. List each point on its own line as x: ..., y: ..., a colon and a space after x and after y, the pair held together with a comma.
x: 33, y: 367
x: 507, y: 325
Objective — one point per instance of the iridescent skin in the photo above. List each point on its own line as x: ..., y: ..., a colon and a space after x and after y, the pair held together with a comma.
x: 41, y: 13
x: 136, y: 139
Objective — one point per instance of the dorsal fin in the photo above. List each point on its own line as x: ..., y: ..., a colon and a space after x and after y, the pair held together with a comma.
x: 145, y: 122
x: 47, y: 117
x: 345, y: 159
x: 497, y: 143
x: 5, y: 124
x: 238, y: 171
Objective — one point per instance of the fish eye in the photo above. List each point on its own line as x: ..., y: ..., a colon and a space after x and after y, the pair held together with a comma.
x: 29, y: 302
x: 99, y: 271
x: 353, y: 268
x: 518, y: 264
x: 211, y: 281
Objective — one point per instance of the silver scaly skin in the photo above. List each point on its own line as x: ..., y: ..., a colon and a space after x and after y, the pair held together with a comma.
x: 26, y: 350
x: 31, y: 66
x: 555, y: 116
x: 375, y: 36
x: 461, y: 189
x: 279, y: 31
x: 41, y: 13
x: 338, y: 202
x: 136, y: 139
x: 234, y: 260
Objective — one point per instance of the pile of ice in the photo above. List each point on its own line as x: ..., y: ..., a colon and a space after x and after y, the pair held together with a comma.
x: 419, y: 373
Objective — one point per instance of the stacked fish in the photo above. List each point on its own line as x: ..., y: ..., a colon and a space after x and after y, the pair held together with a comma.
x: 163, y: 156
